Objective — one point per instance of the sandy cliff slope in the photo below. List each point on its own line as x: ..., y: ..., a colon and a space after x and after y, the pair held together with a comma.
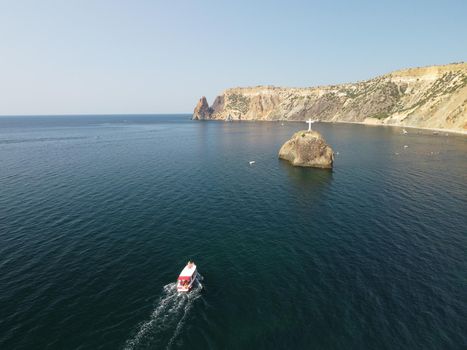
x: 429, y: 97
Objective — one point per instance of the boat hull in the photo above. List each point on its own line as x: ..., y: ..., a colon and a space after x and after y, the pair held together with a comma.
x: 184, y: 289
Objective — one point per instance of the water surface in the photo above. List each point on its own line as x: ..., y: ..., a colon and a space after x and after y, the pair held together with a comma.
x: 98, y: 215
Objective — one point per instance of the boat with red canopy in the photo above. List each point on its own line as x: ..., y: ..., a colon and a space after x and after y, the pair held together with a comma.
x: 187, y: 277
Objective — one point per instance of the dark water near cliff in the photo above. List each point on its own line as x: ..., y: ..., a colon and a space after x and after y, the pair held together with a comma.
x: 98, y: 214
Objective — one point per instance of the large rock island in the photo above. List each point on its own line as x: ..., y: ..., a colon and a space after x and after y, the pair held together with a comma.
x: 307, y: 149
x: 429, y: 97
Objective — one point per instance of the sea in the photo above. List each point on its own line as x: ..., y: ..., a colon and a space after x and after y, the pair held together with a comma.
x: 100, y: 213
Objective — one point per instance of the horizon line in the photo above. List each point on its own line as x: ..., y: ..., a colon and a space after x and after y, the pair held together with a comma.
x: 88, y: 114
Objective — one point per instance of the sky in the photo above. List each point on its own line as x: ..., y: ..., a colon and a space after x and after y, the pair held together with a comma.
x: 136, y: 56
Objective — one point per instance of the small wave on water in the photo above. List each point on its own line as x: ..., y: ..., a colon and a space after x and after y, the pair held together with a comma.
x: 167, y: 319
x: 41, y: 139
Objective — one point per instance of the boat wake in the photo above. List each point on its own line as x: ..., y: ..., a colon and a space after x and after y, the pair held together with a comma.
x: 167, y: 319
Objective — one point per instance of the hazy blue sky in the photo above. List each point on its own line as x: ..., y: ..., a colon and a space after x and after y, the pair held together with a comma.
x: 97, y: 56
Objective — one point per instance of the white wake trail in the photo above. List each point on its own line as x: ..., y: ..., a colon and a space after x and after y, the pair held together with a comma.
x: 167, y: 319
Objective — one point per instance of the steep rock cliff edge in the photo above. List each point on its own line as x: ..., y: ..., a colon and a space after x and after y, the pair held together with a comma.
x: 429, y: 97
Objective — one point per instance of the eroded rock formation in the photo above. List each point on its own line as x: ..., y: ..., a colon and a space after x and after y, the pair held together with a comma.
x: 202, y: 109
x: 307, y: 149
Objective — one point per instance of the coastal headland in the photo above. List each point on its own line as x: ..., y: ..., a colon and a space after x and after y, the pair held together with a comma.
x: 433, y: 97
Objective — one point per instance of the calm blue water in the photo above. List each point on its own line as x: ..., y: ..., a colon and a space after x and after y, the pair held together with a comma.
x: 98, y: 215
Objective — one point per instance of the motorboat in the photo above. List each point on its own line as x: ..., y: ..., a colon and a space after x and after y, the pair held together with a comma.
x: 187, y: 277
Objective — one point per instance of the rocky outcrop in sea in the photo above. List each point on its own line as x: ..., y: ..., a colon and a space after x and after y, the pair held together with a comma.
x: 307, y: 149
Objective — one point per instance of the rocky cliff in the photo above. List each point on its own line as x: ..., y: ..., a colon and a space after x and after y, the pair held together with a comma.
x: 429, y: 97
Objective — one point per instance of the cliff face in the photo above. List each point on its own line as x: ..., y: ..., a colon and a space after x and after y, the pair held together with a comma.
x: 429, y: 97
x: 202, y: 109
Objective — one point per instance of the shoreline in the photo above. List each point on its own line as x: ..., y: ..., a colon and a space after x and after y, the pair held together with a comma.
x: 450, y: 131
x: 440, y: 130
